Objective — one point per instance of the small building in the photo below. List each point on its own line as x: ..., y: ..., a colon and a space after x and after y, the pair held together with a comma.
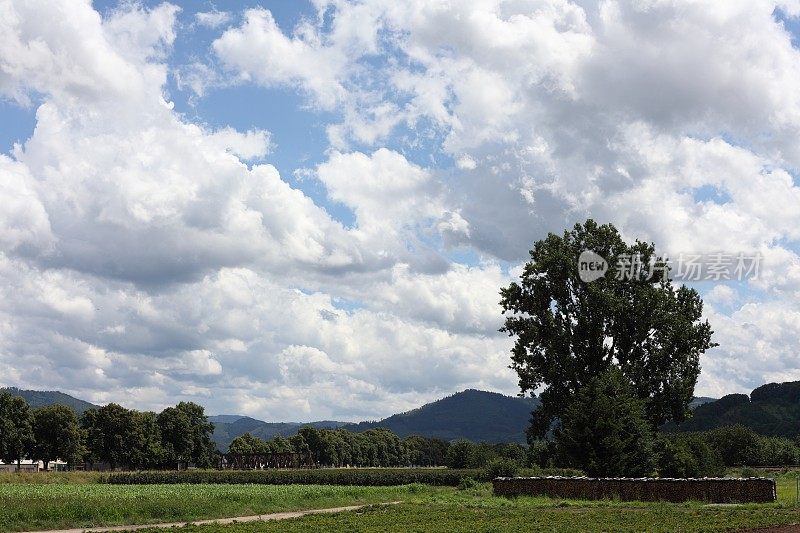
x: 28, y: 465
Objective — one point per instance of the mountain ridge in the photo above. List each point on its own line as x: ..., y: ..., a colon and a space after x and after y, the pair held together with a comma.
x: 37, y: 398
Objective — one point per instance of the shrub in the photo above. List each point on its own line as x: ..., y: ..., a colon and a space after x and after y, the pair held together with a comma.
x: 467, y: 483
x: 501, y: 468
x: 688, y: 456
x: 605, y: 430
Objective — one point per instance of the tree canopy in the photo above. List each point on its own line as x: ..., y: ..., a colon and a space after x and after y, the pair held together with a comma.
x: 568, y: 331
x: 16, y: 428
x: 57, y: 435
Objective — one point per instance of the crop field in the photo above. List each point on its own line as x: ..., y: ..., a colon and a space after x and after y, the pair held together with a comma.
x: 25, y: 506
x: 62, y: 501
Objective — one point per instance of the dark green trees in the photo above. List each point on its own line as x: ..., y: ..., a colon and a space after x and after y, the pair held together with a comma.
x: 604, y: 431
x: 248, y: 444
x: 569, y: 331
x: 109, y: 433
x: 175, y: 437
x: 57, y: 435
x: 16, y: 429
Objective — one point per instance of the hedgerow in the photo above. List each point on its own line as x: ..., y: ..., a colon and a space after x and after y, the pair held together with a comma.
x: 320, y: 476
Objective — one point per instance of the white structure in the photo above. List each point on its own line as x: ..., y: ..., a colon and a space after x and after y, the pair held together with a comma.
x: 27, y: 465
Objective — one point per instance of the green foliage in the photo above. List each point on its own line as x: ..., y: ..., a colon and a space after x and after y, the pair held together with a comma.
x: 202, y: 448
x: 567, y: 331
x: 467, y: 483
x: 501, y: 467
x: 57, y: 435
x: 110, y: 430
x: 16, y: 428
x: 604, y: 431
x: 540, y: 453
x: 319, y: 476
x: 688, y: 456
x: 772, y: 409
x: 737, y: 445
x: 459, y: 454
x: 147, y: 447
x: 425, y: 451
x: 176, y: 435
x: 248, y: 444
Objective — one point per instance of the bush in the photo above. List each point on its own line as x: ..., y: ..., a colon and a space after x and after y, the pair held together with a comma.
x: 688, y: 456
x: 467, y: 483
x: 501, y: 468
x: 321, y: 476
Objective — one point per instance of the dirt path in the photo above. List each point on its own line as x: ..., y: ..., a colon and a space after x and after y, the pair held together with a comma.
x: 239, y: 519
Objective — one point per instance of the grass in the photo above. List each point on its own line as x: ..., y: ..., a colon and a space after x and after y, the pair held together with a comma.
x: 29, y: 506
x: 476, y: 510
x: 72, y: 500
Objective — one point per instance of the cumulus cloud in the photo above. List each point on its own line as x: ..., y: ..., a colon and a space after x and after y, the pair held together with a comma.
x: 147, y: 257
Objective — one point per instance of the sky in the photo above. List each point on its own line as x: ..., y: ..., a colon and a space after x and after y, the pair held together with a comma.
x: 305, y: 210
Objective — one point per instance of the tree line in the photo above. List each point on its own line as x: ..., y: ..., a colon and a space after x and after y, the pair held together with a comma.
x: 379, y: 447
x: 111, y: 434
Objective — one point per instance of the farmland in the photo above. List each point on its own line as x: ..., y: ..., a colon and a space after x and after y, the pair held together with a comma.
x: 66, y: 503
x: 25, y: 506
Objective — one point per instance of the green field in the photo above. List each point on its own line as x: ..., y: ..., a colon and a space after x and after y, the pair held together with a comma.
x: 29, y: 506
x: 64, y: 501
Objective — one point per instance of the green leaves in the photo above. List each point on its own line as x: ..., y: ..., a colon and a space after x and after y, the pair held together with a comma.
x: 604, y: 430
x: 16, y: 428
x: 568, y: 331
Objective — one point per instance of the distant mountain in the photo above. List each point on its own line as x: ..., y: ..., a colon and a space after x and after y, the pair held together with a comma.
x: 772, y: 409
x: 224, y: 419
x: 700, y: 400
x: 37, y: 398
x: 225, y: 432
x: 475, y: 415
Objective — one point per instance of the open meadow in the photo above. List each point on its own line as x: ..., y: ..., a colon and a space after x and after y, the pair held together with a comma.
x: 39, y: 502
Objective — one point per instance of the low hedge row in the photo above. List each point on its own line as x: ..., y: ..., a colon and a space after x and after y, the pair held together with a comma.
x: 319, y: 476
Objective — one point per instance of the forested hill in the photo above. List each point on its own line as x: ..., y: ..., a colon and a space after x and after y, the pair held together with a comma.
x: 36, y: 398
x: 475, y: 415
x: 228, y: 427
x: 772, y: 409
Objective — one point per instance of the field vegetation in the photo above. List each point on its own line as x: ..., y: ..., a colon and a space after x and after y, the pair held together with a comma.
x: 76, y: 500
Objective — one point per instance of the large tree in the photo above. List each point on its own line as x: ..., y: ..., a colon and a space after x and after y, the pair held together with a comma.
x: 110, y: 434
x: 177, y: 436
x: 203, y: 447
x: 569, y: 331
x: 16, y: 428
x: 57, y: 435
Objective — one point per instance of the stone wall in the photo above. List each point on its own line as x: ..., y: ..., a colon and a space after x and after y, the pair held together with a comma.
x: 713, y: 490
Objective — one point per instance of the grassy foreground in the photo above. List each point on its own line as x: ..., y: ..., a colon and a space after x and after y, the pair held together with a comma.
x: 73, y: 500
x: 476, y: 510
x: 35, y: 506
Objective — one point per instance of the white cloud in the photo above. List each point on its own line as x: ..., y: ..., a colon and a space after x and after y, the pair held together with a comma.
x: 212, y: 19
x: 146, y: 258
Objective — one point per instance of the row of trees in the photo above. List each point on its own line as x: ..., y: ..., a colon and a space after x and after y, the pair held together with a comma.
x: 379, y: 447
x: 110, y: 434
x: 604, y: 432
